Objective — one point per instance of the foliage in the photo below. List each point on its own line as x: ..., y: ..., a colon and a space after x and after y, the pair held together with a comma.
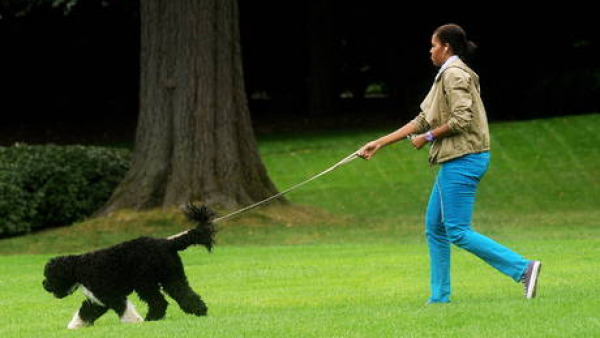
x: 542, y: 172
x: 21, y: 8
x: 47, y: 186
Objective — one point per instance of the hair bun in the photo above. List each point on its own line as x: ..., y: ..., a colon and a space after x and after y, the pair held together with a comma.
x: 471, y: 47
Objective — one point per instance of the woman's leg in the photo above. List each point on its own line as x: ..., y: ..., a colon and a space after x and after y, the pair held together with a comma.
x: 439, y: 250
x: 457, y: 182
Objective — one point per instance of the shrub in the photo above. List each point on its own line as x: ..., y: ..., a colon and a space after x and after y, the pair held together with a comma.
x: 48, y: 186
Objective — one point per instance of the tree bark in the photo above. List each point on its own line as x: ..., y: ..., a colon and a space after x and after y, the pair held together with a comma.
x: 194, y: 139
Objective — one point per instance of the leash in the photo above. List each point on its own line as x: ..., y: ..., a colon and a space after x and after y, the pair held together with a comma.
x: 344, y: 161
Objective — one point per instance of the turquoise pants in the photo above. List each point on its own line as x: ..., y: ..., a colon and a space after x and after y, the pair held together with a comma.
x: 448, y: 221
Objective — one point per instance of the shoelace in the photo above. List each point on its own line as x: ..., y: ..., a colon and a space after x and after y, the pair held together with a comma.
x: 524, y: 280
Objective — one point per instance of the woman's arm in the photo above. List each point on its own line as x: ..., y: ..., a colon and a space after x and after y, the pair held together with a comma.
x: 437, y: 133
x: 457, y: 82
x: 369, y: 149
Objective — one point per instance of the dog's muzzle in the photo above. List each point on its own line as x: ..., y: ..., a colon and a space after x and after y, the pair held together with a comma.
x: 58, y: 293
x: 46, y: 286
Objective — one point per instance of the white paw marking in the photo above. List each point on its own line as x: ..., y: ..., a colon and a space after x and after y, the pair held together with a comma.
x: 130, y: 315
x: 77, y: 322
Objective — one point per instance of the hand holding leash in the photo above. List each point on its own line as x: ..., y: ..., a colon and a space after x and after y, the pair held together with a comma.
x: 368, y: 150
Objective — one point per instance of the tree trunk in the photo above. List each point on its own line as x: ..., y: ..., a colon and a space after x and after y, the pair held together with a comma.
x: 194, y: 139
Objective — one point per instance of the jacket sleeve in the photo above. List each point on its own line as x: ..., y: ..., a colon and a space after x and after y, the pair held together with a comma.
x: 421, y: 123
x: 457, y: 87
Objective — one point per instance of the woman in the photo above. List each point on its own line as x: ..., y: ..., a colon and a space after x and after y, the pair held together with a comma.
x: 454, y: 121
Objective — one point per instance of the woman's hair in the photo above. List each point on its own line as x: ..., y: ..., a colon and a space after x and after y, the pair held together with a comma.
x: 457, y: 38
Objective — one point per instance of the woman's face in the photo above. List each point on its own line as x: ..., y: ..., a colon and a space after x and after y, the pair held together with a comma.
x: 439, y: 52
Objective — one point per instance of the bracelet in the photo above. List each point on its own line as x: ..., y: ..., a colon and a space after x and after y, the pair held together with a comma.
x: 429, y: 136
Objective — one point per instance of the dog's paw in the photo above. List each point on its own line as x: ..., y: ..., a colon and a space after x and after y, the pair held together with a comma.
x: 130, y: 315
x: 77, y: 322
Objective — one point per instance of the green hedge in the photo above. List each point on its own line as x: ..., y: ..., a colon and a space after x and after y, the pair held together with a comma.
x: 47, y: 186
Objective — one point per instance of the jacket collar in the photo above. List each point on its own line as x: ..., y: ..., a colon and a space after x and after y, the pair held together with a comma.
x: 453, y: 61
x: 448, y: 62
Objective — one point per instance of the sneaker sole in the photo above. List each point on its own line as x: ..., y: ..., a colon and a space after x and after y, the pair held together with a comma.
x: 532, y: 288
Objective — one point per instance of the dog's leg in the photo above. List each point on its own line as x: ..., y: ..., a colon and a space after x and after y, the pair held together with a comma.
x: 77, y: 322
x: 188, y: 300
x: 87, y: 315
x: 157, y: 304
x: 130, y: 315
x: 125, y: 310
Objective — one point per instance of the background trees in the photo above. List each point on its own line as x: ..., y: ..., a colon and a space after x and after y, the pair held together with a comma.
x: 71, y: 73
x: 303, y: 60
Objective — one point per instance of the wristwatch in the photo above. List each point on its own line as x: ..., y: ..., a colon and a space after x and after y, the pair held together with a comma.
x: 429, y: 136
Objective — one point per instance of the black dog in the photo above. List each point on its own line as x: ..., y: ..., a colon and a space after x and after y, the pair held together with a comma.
x: 144, y: 265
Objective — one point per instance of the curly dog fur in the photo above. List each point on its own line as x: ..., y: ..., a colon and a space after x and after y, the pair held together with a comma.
x: 145, y: 265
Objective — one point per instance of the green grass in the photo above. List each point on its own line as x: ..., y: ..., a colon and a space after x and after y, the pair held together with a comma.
x: 348, y: 259
x: 346, y: 290
x: 551, y: 164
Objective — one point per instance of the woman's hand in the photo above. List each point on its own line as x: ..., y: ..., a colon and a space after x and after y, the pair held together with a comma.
x: 418, y: 141
x: 368, y: 150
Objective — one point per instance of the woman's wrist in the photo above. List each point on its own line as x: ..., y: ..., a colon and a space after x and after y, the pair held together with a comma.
x: 429, y: 136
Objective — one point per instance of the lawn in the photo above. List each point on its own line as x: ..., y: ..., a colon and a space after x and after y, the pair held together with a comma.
x: 348, y: 257
x: 336, y: 290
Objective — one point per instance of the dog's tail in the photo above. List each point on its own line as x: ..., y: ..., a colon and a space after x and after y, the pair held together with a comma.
x: 202, y: 234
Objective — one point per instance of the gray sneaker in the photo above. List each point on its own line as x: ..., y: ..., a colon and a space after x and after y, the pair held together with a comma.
x: 530, y: 278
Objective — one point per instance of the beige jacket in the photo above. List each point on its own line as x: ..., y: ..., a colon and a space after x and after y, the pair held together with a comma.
x: 455, y: 99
